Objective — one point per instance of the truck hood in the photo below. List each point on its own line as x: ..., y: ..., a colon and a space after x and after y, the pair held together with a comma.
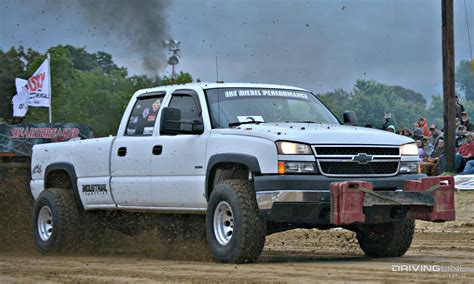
x: 317, y: 133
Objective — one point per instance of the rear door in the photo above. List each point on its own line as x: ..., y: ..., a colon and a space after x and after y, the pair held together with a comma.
x: 131, y: 152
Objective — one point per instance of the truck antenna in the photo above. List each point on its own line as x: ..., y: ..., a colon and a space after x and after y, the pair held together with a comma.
x: 218, y: 92
x: 217, y: 70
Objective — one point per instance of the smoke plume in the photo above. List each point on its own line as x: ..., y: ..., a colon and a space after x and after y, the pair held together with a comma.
x: 140, y: 24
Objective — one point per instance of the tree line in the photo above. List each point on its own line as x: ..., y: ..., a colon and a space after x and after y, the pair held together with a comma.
x: 90, y: 88
x: 87, y: 88
x: 370, y: 100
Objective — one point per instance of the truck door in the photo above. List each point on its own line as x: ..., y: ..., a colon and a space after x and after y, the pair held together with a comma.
x: 131, y: 152
x: 178, y: 168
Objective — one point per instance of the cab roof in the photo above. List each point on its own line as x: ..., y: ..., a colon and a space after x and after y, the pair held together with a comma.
x: 207, y: 85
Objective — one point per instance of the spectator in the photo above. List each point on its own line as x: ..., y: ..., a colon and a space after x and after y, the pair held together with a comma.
x: 421, y: 150
x: 406, y: 132
x: 435, y: 135
x: 465, y: 121
x: 391, y: 128
x: 465, y: 153
x: 460, y: 136
x: 417, y: 132
x: 424, y: 126
x: 368, y: 125
x: 469, y: 168
x: 434, y: 164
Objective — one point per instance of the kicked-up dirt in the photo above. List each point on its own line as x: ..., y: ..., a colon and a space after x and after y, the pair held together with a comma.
x: 441, y: 252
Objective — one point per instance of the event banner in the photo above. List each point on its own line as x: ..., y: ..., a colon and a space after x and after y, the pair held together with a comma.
x: 35, y: 92
x: 20, y: 138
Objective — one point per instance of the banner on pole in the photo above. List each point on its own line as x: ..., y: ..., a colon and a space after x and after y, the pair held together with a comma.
x: 34, y: 92
x: 38, y: 87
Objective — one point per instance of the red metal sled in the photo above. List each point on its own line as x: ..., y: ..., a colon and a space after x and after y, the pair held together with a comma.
x: 347, y: 200
x: 428, y: 199
x: 442, y: 190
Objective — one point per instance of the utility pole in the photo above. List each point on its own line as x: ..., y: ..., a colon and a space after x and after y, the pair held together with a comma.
x: 448, y: 84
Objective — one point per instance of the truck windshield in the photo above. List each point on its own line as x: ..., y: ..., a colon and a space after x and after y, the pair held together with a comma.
x: 234, y: 105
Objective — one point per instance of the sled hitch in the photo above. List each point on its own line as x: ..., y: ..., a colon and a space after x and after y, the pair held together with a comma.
x: 428, y: 199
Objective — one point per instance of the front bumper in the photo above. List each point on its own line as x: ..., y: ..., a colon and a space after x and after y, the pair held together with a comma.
x: 307, y: 199
x: 314, y: 189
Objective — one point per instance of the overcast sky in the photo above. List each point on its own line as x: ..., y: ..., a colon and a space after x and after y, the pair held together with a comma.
x: 318, y: 45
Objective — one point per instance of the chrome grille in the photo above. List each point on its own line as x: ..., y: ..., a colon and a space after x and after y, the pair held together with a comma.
x: 356, y: 160
x: 377, y: 151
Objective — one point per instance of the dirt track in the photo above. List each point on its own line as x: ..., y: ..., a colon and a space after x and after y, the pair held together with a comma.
x: 294, y: 256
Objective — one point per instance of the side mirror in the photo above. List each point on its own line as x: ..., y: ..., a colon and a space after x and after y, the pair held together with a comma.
x: 350, y: 118
x: 170, y: 123
x: 198, y: 127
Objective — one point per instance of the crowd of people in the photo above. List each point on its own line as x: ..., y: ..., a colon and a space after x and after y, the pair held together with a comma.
x: 430, y: 144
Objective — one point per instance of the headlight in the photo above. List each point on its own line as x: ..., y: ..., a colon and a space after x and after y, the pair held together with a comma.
x: 290, y: 148
x: 409, y: 167
x: 409, y: 149
x: 290, y: 167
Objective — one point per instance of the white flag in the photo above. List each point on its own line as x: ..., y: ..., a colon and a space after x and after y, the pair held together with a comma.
x: 39, y: 88
x: 20, y: 100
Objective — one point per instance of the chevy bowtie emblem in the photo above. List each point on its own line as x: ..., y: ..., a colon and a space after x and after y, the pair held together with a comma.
x: 362, y: 158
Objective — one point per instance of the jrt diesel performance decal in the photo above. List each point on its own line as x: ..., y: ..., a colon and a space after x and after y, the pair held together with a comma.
x: 265, y: 93
x: 94, y: 189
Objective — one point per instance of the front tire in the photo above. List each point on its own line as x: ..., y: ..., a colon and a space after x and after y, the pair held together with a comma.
x: 235, y: 228
x: 56, y: 221
x: 386, y: 240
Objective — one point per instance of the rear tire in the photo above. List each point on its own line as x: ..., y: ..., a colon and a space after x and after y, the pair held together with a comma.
x: 235, y: 228
x: 56, y: 221
x: 386, y: 240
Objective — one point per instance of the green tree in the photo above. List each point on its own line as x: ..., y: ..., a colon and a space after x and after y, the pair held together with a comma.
x: 182, y: 78
x: 434, y: 112
x: 465, y: 79
x: 370, y: 100
x: 337, y: 101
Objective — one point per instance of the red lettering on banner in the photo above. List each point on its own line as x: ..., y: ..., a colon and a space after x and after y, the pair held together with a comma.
x: 35, y: 82
x: 41, y: 77
x: 75, y: 132
x: 45, y: 133
x: 15, y: 133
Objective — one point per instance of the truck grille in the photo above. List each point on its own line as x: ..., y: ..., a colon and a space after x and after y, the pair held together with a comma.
x: 356, y: 160
x: 354, y: 168
x: 379, y: 151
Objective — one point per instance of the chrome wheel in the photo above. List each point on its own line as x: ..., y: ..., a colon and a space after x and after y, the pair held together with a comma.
x: 223, y: 223
x: 45, y: 223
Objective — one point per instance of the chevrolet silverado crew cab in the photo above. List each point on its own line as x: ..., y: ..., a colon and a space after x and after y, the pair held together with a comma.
x: 255, y: 159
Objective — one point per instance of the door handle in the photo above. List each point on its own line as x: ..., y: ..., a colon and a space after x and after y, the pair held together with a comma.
x: 122, y: 151
x: 157, y: 149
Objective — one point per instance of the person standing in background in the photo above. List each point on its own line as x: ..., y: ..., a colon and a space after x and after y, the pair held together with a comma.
x: 423, y: 124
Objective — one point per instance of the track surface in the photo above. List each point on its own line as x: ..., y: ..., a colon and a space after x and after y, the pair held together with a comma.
x: 296, y: 256
x: 293, y: 256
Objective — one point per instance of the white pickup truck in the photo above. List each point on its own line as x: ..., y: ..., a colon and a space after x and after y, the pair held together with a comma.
x: 255, y: 158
